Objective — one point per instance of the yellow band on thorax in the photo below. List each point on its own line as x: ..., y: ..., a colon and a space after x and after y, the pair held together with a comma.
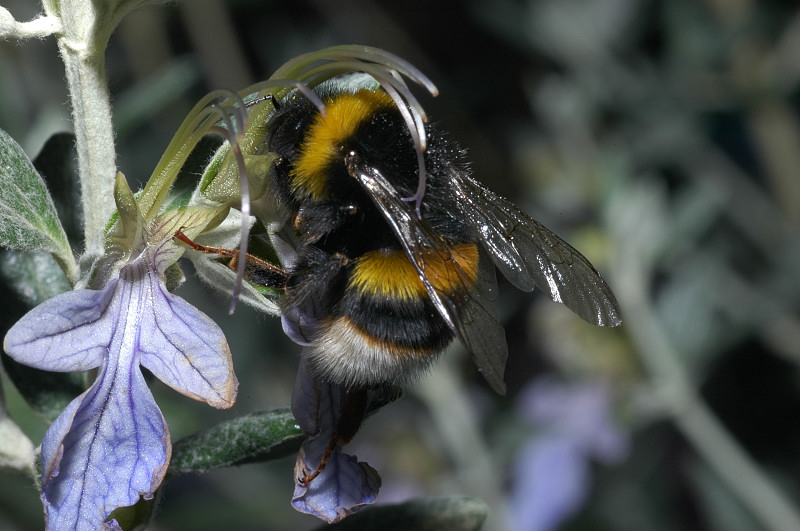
x: 322, y: 145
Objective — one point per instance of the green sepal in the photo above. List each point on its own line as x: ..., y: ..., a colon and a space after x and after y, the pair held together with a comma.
x: 220, y: 181
x: 128, y: 233
x: 174, y: 277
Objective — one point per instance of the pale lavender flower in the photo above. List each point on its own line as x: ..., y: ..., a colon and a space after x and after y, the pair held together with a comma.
x: 552, y: 476
x: 111, y: 445
x: 345, y: 485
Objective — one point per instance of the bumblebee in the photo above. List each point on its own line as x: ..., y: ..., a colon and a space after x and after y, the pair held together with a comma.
x: 389, y: 247
x: 390, y: 250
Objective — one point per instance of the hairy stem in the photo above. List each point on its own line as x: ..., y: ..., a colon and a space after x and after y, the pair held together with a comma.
x: 83, y: 55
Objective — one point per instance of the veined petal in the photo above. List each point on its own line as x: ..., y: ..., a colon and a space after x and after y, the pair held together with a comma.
x: 70, y: 332
x: 184, y: 348
x: 111, y: 445
x: 108, y: 448
x: 345, y: 485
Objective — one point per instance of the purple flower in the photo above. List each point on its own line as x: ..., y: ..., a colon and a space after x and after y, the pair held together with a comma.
x: 111, y: 445
x: 345, y: 485
x: 552, y: 472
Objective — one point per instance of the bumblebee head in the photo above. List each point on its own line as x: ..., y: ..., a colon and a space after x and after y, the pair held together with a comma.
x: 359, y: 116
x: 312, y: 140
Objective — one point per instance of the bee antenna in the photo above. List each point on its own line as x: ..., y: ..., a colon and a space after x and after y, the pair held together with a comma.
x: 301, y: 87
x: 276, y: 104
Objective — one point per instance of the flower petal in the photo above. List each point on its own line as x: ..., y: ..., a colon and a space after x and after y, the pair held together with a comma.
x: 345, y: 485
x: 342, y: 488
x: 184, y: 348
x: 70, y: 332
x: 111, y: 444
x: 109, y: 447
x: 552, y: 481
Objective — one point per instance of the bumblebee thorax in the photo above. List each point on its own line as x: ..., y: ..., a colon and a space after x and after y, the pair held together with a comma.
x: 321, y: 153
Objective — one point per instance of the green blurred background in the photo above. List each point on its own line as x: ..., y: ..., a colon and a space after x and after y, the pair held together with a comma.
x: 661, y: 138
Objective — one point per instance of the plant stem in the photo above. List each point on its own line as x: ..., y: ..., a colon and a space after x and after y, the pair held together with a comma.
x: 690, y: 413
x: 83, y: 55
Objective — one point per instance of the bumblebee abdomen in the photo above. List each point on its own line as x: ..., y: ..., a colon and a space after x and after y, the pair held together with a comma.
x: 385, y: 327
x: 388, y: 273
x: 347, y: 355
x: 402, y: 327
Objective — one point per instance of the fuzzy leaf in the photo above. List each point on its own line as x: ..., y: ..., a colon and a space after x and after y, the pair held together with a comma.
x: 428, y: 514
x: 251, y: 438
x: 28, y: 218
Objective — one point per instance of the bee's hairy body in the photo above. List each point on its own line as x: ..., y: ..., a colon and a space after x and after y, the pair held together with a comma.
x: 353, y: 295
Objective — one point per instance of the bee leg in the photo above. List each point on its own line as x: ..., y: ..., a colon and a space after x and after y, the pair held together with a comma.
x: 354, y: 410
x: 257, y: 271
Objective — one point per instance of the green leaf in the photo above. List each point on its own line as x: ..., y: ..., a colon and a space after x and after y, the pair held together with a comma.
x: 28, y: 219
x: 426, y: 514
x: 260, y: 436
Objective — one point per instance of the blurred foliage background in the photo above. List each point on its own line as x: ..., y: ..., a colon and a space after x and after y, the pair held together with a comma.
x: 661, y: 138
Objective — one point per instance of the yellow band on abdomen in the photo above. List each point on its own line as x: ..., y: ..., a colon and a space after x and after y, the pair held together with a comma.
x: 391, y: 274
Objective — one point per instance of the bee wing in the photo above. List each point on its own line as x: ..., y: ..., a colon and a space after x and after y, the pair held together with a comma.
x: 482, y: 334
x: 467, y: 313
x: 528, y: 254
